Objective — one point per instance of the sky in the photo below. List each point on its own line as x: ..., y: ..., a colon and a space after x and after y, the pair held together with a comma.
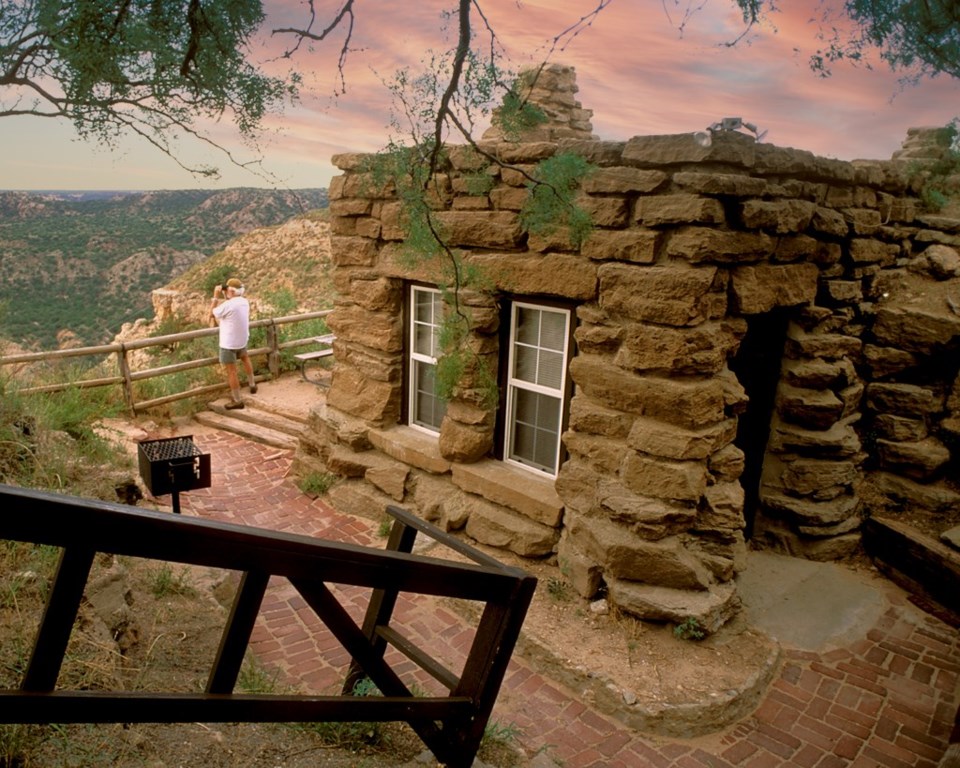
x: 635, y: 70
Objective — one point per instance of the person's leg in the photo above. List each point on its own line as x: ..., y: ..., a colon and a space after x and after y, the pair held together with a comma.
x: 248, y: 367
x: 228, y: 359
x: 233, y: 380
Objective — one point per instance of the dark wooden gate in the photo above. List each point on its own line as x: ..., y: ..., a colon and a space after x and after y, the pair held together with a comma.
x: 451, y: 726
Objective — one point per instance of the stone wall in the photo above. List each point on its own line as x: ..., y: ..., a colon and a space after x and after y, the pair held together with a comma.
x: 692, y: 244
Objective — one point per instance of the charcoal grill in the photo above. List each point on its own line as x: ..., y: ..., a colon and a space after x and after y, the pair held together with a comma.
x: 172, y: 465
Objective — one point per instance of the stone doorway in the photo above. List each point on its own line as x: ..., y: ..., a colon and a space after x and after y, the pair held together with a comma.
x: 757, y: 367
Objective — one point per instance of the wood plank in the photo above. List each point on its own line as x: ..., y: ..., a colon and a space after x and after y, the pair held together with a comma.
x: 153, y: 707
x: 236, y: 635
x: 58, y: 618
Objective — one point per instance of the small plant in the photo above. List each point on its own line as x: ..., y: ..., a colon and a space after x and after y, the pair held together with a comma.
x: 386, y: 525
x: 558, y: 589
x: 316, y: 483
x: 256, y: 678
x: 689, y: 629
x: 166, y: 583
x: 496, y: 732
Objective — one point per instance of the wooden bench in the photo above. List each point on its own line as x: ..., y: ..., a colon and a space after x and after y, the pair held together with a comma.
x: 306, y: 357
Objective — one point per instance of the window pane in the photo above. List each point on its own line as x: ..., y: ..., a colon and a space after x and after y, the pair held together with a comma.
x: 429, y: 409
x: 536, y: 429
x: 550, y: 373
x: 525, y: 363
x: 424, y: 340
x: 528, y: 326
x: 426, y: 409
x: 553, y: 330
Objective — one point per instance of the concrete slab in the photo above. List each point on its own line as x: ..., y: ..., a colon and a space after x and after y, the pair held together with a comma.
x: 808, y: 605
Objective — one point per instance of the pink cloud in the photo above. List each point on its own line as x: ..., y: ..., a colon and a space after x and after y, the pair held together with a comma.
x: 635, y: 71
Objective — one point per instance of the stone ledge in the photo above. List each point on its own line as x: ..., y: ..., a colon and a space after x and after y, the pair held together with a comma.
x: 531, y: 495
x: 410, y: 446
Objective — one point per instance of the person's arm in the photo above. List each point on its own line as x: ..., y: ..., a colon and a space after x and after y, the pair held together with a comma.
x: 215, y: 302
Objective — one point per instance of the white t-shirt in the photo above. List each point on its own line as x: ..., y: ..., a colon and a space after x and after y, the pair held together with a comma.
x: 234, y: 318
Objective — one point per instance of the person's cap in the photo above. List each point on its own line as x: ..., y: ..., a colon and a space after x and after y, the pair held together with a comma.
x: 234, y: 283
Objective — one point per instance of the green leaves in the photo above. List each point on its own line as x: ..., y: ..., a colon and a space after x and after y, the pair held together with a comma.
x: 151, y: 68
x: 551, y: 204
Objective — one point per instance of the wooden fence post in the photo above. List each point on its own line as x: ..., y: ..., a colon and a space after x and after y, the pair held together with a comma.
x: 273, y: 356
x: 124, y: 365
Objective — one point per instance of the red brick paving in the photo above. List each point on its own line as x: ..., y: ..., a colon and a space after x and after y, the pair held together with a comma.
x: 887, y: 701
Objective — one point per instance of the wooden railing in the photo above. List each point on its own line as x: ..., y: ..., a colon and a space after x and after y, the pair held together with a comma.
x: 451, y: 726
x: 127, y: 377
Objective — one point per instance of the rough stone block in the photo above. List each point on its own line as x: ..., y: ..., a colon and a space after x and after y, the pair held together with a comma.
x: 663, y: 479
x: 496, y: 526
x: 725, y: 184
x: 352, y: 251
x: 727, y: 464
x: 378, y: 330
x: 903, y: 399
x: 531, y: 495
x: 604, y: 454
x: 811, y: 408
x: 357, y: 497
x: 918, y: 330
x: 554, y: 274
x: 662, y: 295
x: 622, y: 180
x: 686, y: 403
x: 900, y: 428
x: 702, y: 350
x: 728, y: 148
x: 809, y: 511
x: 634, y: 245
x: 585, y: 575
x: 625, y: 555
x: 411, y: 447
x: 723, y: 508
x: 711, y: 609
x: 805, y: 477
x: 593, y: 419
x: 764, y: 287
x: 362, y: 397
x: 658, y: 210
x: 900, y: 491
x: 672, y: 442
x: 921, y: 460
x: 484, y: 229
x: 703, y: 245
x: 778, y: 216
x: 652, y: 519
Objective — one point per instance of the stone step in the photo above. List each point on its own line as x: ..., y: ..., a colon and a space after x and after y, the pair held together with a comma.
x: 293, y: 413
x: 261, y: 414
x: 248, y: 429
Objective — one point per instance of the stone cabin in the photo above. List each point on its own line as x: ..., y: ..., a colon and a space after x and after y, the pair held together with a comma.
x: 756, y: 346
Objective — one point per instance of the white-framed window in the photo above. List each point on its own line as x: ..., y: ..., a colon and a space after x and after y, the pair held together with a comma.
x: 425, y: 408
x: 539, y: 344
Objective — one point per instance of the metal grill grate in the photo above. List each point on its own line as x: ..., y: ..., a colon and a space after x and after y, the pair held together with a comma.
x: 171, y: 448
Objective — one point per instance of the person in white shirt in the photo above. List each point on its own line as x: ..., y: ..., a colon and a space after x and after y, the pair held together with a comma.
x: 231, y: 311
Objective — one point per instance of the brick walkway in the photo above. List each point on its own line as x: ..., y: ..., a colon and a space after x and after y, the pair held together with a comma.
x: 887, y: 700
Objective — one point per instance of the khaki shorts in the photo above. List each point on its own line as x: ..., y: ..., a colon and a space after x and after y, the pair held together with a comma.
x: 228, y: 356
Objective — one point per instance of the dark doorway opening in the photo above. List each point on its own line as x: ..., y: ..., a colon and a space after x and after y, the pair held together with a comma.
x: 757, y: 367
